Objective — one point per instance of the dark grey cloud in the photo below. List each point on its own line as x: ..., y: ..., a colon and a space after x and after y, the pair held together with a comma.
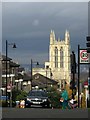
x: 29, y: 24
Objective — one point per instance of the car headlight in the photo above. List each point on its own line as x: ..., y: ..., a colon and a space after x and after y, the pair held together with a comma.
x: 44, y: 100
x: 28, y: 99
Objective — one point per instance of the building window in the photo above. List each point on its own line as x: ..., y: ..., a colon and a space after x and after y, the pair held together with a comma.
x: 61, y: 57
x: 56, y: 57
x: 47, y: 67
x: 37, y: 77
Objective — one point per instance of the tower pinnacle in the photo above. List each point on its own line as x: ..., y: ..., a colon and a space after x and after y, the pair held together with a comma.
x: 67, y: 36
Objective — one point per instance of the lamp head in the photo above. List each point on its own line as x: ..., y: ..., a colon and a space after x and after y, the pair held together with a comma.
x: 37, y: 63
x: 14, y: 45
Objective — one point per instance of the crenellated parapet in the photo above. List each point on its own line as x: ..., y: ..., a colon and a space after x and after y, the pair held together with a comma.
x: 53, y: 40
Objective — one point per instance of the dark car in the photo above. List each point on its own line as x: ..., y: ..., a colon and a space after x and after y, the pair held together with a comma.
x: 38, y: 97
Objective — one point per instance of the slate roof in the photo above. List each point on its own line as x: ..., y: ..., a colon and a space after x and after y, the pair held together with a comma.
x: 18, y: 76
x: 4, y: 58
x: 39, y: 79
x: 20, y: 69
x: 13, y: 64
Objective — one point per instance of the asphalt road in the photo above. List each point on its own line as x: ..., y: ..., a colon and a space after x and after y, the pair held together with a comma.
x: 43, y: 113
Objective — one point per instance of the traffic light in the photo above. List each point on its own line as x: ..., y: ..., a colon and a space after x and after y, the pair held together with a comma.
x: 88, y: 44
x: 73, y: 62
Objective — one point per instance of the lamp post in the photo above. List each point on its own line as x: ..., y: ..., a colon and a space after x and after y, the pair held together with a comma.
x: 31, y: 74
x: 78, y: 75
x: 14, y: 46
x: 31, y: 70
x: 6, y: 70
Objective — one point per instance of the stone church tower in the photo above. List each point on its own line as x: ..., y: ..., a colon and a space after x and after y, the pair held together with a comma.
x: 59, y: 60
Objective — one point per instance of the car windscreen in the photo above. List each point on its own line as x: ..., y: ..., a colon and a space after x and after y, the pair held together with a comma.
x: 37, y: 93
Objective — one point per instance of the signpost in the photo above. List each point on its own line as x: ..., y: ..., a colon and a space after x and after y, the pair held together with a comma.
x: 84, y: 58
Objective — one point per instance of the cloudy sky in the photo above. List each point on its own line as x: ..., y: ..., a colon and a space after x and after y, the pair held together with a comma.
x: 28, y: 24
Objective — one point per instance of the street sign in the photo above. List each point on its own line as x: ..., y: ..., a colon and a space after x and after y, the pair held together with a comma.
x: 84, y: 58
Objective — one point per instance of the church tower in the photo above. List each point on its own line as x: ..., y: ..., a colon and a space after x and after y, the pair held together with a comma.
x: 59, y: 58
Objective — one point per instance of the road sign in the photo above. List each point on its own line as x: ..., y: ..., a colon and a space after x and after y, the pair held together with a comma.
x: 84, y: 58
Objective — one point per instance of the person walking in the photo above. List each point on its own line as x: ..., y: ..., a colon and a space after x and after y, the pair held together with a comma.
x: 64, y: 99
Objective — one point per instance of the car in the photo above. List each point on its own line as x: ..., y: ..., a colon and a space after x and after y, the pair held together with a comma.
x: 37, y: 97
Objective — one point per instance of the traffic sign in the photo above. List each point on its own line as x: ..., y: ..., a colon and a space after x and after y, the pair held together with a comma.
x: 84, y: 58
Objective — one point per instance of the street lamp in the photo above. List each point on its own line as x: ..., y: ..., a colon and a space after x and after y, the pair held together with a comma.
x: 31, y: 70
x: 14, y: 46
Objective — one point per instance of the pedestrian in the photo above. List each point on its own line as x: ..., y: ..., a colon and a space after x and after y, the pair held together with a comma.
x: 73, y: 103
x: 22, y: 103
x: 64, y: 99
x: 17, y: 104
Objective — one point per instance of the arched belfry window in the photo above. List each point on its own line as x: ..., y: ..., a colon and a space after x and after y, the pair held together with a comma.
x: 56, y: 57
x: 61, y: 57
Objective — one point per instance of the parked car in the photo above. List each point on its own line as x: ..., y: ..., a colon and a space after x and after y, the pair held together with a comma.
x: 37, y: 97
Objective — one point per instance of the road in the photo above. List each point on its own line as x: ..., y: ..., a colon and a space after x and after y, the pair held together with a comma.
x: 43, y: 113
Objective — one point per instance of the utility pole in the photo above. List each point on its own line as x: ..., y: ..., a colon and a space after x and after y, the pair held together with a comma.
x: 78, y: 75
x: 6, y: 69
x: 14, y: 46
x: 88, y: 51
x: 31, y: 74
x: 89, y: 83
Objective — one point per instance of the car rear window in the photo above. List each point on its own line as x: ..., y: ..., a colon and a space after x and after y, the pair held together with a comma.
x: 37, y: 93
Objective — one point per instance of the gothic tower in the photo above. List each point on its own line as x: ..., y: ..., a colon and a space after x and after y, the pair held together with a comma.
x: 59, y: 58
